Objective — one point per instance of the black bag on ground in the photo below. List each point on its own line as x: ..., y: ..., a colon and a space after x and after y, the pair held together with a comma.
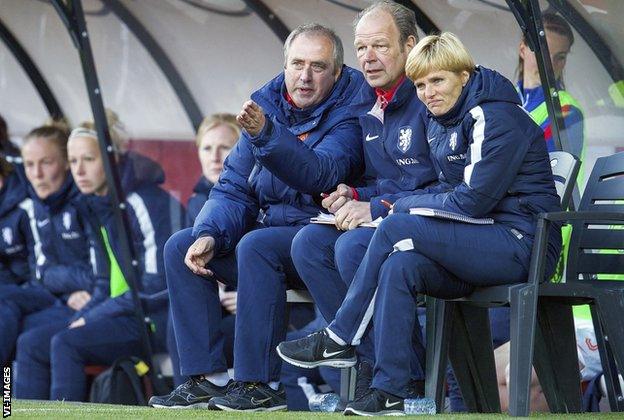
x: 125, y: 382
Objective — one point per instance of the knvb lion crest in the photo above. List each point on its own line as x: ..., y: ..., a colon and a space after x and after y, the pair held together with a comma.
x: 66, y: 220
x: 405, y: 139
x: 453, y: 141
x: 7, y: 235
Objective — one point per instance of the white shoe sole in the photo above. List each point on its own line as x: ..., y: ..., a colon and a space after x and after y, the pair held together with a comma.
x: 259, y: 409
x: 335, y: 363
x: 182, y: 407
x: 352, y: 412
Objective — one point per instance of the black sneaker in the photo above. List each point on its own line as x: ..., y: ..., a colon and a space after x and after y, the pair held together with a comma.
x: 376, y: 403
x: 250, y: 396
x: 317, y: 349
x: 194, y: 393
x: 363, y: 379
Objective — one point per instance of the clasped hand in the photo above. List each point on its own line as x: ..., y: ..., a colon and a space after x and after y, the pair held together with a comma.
x: 349, y: 212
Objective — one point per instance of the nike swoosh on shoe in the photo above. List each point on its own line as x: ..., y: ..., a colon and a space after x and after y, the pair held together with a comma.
x: 388, y: 404
x: 254, y: 401
x: 327, y: 354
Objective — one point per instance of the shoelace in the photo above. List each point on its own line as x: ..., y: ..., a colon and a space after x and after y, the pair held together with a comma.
x: 192, y: 381
x: 239, y: 387
x: 303, y: 342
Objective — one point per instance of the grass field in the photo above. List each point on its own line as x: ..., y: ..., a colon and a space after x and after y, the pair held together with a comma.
x: 67, y: 410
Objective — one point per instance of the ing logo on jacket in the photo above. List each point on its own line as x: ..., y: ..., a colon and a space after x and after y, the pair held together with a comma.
x: 405, y: 138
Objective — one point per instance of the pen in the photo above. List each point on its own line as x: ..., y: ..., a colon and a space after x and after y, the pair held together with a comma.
x: 324, y: 195
x: 386, y: 203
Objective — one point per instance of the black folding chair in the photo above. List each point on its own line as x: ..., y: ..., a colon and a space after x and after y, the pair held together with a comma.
x: 460, y: 328
x: 594, y: 274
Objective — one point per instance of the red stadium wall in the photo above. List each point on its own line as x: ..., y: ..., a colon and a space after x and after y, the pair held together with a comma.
x: 179, y: 161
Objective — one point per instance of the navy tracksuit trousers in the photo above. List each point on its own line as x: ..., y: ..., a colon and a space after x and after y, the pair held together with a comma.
x: 413, y: 254
x: 262, y: 265
x: 20, y: 309
x: 51, y: 358
x: 327, y: 260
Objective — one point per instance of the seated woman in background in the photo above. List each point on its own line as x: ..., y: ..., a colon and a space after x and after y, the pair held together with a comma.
x: 107, y: 328
x: 16, y: 244
x: 492, y: 162
x: 216, y: 136
x: 62, y: 279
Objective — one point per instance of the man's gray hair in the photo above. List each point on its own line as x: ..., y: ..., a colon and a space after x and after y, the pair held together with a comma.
x: 317, y: 29
x: 404, y: 18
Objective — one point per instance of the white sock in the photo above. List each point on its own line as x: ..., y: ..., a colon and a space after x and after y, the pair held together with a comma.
x: 334, y: 337
x: 274, y: 385
x: 219, y: 378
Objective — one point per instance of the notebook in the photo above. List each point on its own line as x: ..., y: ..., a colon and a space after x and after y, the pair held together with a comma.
x: 443, y: 214
x: 330, y: 219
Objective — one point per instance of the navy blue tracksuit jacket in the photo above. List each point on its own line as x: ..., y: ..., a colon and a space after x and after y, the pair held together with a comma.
x: 257, y: 183
x: 17, y: 243
x: 154, y: 215
x: 65, y: 262
x: 396, y: 153
x: 483, y: 169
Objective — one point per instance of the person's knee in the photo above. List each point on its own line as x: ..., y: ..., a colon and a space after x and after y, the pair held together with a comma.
x: 29, y: 346
x: 351, y: 242
x: 61, y: 343
x: 254, y: 243
x: 178, y: 243
x: 404, y: 270
x: 309, y: 244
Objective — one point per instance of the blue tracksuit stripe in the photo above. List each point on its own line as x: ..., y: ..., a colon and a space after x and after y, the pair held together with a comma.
x: 147, y: 232
x: 478, y: 135
x: 38, y: 257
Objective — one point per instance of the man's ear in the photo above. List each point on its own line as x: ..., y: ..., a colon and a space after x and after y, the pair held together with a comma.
x: 337, y: 74
x: 410, y: 43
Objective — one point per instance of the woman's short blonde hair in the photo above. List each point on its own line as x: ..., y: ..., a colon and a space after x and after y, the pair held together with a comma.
x: 116, y: 130
x: 211, y: 121
x: 438, y: 52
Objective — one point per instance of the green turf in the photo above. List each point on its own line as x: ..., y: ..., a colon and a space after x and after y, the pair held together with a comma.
x: 85, y: 411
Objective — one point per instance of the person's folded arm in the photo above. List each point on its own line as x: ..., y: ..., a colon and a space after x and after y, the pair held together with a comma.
x: 497, y: 149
